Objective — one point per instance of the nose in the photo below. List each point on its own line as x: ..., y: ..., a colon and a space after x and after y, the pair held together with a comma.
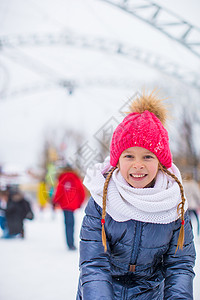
x: 138, y: 165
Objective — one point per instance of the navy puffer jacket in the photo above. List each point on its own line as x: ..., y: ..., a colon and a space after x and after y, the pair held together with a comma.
x: 140, y: 262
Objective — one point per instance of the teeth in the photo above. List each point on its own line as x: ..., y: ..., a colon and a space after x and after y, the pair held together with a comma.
x: 137, y: 176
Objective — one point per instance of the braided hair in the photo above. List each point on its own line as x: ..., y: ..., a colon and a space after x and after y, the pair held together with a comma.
x: 180, y: 208
x: 105, y: 188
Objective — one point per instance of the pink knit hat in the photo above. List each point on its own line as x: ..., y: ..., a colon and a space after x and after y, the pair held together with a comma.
x: 141, y: 129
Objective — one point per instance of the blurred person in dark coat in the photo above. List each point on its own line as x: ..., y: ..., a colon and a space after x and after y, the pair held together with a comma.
x: 18, y: 209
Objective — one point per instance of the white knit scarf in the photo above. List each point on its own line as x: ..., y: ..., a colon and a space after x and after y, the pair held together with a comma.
x: 153, y: 205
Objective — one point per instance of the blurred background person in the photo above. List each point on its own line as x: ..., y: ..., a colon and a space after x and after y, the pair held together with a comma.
x: 69, y: 195
x: 18, y: 209
x: 3, y: 206
x: 192, y: 192
x: 42, y: 195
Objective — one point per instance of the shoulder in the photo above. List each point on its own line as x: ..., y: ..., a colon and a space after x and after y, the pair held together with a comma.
x: 187, y: 227
x: 187, y: 220
x: 93, y: 208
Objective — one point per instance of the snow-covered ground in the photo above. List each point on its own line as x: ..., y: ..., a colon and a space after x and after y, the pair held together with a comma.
x: 40, y: 266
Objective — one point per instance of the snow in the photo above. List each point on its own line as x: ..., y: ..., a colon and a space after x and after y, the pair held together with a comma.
x: 41, y: 267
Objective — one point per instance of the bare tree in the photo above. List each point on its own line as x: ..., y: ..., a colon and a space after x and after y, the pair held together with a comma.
x: 59, y: 145
x: 189, y: 143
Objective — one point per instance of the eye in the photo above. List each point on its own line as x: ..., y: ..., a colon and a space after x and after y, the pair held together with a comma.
x: 148, y: 157
x: 128, y: 156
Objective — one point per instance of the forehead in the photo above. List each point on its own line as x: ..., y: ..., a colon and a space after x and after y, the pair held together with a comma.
x: 139, y: 150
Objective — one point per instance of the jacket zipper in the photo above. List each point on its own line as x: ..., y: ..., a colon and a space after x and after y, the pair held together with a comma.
x: 136, y: 242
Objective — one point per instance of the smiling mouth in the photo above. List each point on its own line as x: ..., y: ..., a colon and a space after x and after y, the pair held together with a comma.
x: 138, y: 175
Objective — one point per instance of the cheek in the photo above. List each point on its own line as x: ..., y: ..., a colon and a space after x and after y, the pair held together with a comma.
x: 154, y: 170
x: 122, y: 167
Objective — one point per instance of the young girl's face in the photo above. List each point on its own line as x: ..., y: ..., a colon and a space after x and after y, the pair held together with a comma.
x: 138, y: 166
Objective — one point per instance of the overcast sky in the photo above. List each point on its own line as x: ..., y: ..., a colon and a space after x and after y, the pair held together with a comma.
x: 35, y: 104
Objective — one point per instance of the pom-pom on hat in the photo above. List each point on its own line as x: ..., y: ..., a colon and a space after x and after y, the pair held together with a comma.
x: 143, y: 127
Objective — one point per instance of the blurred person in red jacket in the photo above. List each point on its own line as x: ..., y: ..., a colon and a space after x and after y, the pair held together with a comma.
x: 69, y: 195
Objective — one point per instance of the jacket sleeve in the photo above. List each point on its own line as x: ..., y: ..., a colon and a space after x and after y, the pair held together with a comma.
x: 95, y: 277
x: 28, y: 213
x: 178, y: 267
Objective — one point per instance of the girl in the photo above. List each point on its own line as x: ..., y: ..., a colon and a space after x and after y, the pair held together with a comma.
x: 136, y: 236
